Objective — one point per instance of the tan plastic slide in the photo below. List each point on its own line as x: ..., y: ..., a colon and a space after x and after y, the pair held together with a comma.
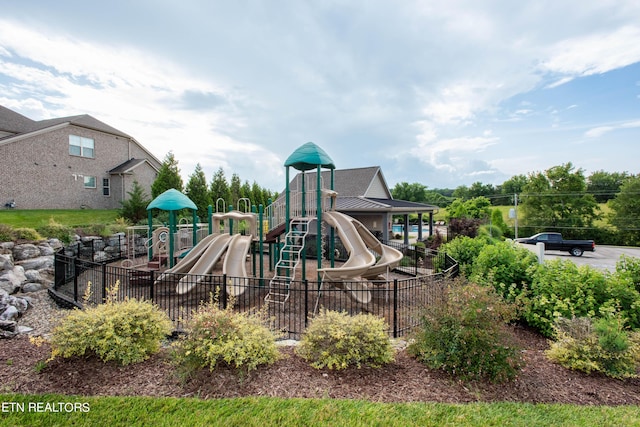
x: 389, y: 257
x: 206, y: 263
x: 360, y: 259
x: 185, y: 264
x: 235, y: 264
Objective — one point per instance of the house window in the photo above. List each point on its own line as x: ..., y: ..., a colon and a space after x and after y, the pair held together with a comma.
x: 81, y: 146
x: 106, y: 187
x: 89, y: 181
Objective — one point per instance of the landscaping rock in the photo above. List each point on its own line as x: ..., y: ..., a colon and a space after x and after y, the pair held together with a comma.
x: 9, y: 313
x: 32, y: 287
x: 46, y: 250
x: 33, y: 276
x: 10, y: 282
x: 6, y: 262
x: 37, y: 263
x: 25, y: 251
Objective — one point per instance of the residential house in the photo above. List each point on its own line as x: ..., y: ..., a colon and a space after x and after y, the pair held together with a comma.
x: 69, y: 163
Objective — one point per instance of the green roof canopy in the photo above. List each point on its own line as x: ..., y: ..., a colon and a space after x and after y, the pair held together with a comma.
x: 172, y: 200
x: 309, y: 156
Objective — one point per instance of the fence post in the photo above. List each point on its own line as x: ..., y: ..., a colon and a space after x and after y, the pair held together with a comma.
x: 104, y: 281
x: 151, y: 285
x: 75, y: 279
x: 395, y: 308
x: 223, y: 292
x: 306, y: 303
x: 104, y: 284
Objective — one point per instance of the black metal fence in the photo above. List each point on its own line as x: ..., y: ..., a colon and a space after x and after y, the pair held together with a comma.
x: 399, y: 300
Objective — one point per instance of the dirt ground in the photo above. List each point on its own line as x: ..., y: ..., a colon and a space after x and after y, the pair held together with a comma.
x: 403, y: 380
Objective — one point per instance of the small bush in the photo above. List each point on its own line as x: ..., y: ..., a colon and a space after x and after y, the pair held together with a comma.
x: 463, y: 333
x: 506, y: 267
x: 601, y: 346
x: 7, y: 233
x: 57, y: 231
x: 559, y: 288
x: 465, y: 250
x: 126, y: 332
x: 216, y: 336
x: 336, y: 340
x: 27, y: 234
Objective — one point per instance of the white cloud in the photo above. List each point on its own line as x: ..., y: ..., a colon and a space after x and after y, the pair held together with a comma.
x: 598, y: 131
x: 594, y: 53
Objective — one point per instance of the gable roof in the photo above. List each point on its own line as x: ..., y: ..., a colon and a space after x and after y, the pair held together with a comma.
x: 356, y: 182
x: 16, y: 124
x: 361, y: 190
x: 129, y: 166
x: 83, y: 120
x: 13, y: 123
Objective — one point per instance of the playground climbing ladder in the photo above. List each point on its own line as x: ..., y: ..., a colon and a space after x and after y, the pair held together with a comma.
x: 290, y: 257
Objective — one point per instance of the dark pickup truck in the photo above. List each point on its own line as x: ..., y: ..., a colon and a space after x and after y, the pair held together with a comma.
x: 555, y: 242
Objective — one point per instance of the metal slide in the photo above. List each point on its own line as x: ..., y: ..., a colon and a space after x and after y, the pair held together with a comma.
x: 205, y: 264
x: 235, y: 264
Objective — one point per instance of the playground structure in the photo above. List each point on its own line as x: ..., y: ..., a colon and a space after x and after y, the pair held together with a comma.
x: 182, y: 252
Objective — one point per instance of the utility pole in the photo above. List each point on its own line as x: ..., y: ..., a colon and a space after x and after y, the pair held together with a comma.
x: 515, y: 204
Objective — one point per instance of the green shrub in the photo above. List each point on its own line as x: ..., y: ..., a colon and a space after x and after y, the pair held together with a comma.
x: 336, y: 340
x: 629, y: 268
x: 492, y: 232
x: 465, y: 250
x: 559, y: 288
x: 601, y: 346
x: 463, y: 333
x: 57, y: 231
x: 27, y: 234
x: 126, y: 331
x: 7, y: 233
x: 504, y: 266
x: 216, y: 336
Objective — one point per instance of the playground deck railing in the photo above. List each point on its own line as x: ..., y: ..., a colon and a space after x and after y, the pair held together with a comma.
x: 399, y: 301
x: 276, y: 212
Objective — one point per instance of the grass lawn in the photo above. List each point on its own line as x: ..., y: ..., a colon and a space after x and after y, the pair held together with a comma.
x: 32, y: 410
x: 35, y: 218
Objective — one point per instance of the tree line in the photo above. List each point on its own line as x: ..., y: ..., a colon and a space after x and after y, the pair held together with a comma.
x: 219, y: 192
x: 560, y: 198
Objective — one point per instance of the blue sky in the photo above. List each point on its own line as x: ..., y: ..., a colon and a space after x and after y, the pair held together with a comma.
x: 443, y: 93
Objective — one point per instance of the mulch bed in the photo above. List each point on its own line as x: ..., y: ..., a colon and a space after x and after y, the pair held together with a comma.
x: 404, y: 380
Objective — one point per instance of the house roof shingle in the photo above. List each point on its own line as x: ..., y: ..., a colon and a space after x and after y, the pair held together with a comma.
x: 13, y: 122
x: 128, y: 166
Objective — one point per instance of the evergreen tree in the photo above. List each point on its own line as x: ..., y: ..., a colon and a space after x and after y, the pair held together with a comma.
x: 198, y: 192
x: 168, y: 176
x: 236, y: 190
x: 134, y: 209
x: 219, y: 189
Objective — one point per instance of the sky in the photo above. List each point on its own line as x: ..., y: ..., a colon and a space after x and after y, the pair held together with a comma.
x: 441, y: 93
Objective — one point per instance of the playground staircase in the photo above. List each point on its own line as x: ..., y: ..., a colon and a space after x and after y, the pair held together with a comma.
x: 290, y: 257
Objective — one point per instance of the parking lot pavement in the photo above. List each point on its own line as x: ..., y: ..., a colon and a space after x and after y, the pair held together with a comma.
x: 604, y: 258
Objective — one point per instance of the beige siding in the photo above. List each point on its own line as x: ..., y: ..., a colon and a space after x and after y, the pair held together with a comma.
x: 377, y: 189
x: 38, y: 171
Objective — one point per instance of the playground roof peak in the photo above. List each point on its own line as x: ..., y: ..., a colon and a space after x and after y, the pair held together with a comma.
x: 172, y: 200
x: 309, y: 156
